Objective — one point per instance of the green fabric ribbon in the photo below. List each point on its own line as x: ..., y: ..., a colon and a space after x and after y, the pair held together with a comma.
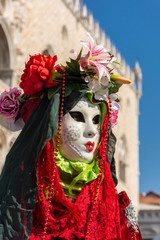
x: 102, y: 105
x: 79, y: 173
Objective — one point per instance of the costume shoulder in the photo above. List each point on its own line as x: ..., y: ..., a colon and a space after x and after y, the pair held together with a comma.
x: 128, y: 222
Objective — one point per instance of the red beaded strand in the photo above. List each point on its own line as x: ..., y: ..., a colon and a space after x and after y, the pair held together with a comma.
x: 110, y: 107
x: 99, y: 181
x: 54, y: 157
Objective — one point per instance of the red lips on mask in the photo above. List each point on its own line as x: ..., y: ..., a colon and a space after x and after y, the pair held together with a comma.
x: 90, y: 146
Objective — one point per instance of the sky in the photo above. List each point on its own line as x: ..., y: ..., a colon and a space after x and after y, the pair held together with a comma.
x: 134, y: 27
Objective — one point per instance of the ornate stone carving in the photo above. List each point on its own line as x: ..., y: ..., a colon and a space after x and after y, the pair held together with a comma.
x: 19, y: 18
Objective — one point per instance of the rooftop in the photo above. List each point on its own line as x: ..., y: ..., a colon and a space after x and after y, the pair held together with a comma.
x: 149, y: 198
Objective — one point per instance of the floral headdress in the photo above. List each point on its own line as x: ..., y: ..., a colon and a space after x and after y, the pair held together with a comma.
x: 42, y: 77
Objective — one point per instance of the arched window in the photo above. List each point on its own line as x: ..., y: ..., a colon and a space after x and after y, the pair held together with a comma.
x: 64, y: 33
x: 45, y: 52
x: 128, y: 103
x: 5, y: 71
x: 2, y: 148
x: 4, y: 56
x: 122, y: 158
x: 48, y: 51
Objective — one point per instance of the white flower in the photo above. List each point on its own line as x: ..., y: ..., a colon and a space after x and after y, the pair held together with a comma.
x: 115, y: 105
x: 101, y: 94
x: 100, y: 90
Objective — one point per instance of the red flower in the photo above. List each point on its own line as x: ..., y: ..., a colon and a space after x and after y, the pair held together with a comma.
x: 38, y: 74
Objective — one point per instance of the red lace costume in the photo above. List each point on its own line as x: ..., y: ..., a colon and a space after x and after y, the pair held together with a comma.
x: 97, y: 213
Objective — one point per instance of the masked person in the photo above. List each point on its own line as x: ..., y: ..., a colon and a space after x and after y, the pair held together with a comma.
x: 59, y: 179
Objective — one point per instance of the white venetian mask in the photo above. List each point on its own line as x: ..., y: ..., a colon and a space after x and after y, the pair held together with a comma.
x: 81, y: 131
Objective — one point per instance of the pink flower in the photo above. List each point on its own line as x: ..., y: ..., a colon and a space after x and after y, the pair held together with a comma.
x: 113, y: 118
x: 97, y: 57
x: 9, y: 103
x: 97, y: 60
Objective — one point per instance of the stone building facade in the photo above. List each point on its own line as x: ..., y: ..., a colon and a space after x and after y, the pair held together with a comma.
x: 149, y: 221
x: 149, y: 215
x: 56, y: 26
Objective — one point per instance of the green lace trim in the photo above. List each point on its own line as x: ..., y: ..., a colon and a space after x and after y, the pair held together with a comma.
x: 74, y: 175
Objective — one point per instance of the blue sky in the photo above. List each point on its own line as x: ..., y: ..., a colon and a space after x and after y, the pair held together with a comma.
x: 134, y: 27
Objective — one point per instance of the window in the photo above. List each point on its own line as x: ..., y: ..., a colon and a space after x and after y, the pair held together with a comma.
x: 5, y: 71
x: 48, y: 51
x: 64, y: 33
x: 128, y: 103
x: 2, y: 143
x: 45, y: 52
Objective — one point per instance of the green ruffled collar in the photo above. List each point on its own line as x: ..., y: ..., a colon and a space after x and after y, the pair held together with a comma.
x: 79, y: 173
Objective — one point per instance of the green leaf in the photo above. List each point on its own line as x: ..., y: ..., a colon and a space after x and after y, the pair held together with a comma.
x: 114, y: 87
x: 52, y: 91
x: 79, y: 55
x: 68, y: 90
x: 71, y: 87
x: 110, y: 70
x: 118, y: 63
x: 64, y: 67
x: 73, y: 68
x: 75, y: 87
x: 21, y: 99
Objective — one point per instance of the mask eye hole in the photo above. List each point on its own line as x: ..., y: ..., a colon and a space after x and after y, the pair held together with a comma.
x: 96, y: 119
x: 77, y: 116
